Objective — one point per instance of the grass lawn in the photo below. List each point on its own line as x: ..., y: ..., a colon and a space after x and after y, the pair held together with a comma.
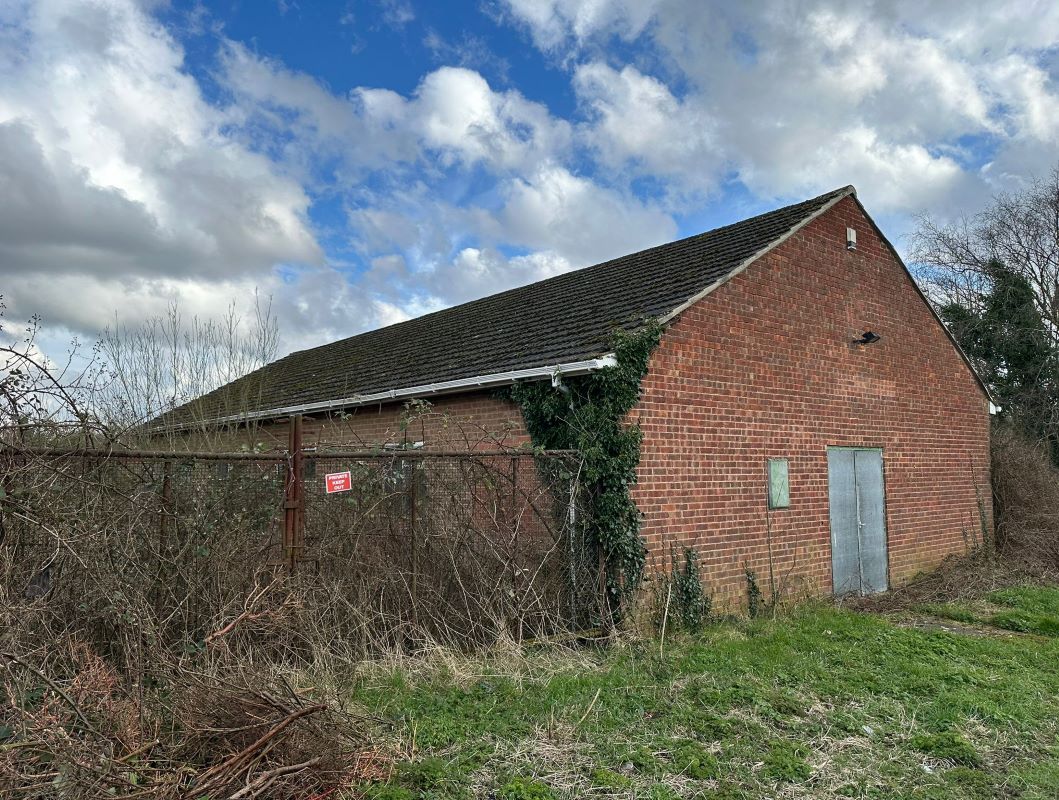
x: 823, y: 703
x: 1024, y: 609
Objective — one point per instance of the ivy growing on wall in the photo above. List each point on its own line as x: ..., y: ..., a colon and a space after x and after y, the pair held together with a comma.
x: 588, y: 413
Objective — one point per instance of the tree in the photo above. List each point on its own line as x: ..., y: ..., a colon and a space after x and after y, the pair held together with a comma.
x: 166, y: 361
x: 1019, y: 230
x: 995, y: 279
x: 1014, y: 353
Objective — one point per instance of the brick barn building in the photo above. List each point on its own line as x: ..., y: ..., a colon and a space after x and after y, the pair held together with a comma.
x: 805, y: 403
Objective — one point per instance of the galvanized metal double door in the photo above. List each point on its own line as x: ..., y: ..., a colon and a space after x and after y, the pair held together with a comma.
x: 857, y: 497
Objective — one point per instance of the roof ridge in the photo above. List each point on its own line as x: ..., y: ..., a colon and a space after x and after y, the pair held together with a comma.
x: 849, y: 188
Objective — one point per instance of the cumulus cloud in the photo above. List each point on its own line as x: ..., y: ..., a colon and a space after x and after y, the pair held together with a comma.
x: 635, y: 122
x: 454, y: 117
x: 458, y: 115
x: 119, y: 186
x: 433, y: 254
x: 578, y: 219
x: 789, y: 99
x: 555, y: 23
x: 428, y: 240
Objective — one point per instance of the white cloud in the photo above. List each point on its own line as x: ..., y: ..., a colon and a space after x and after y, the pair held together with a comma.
x: 434, y: 254
x: 119, y: 184
x: 556, y: 210
x: 454, y: 117
x: 553, y: 23
x: 1032, y: 99
x: 122, y: 185
x: 792, y: 99
x: 635, y: 121
x: 397, y: 13
x: 471, y: 273
x: 892, y: 173
x: 315, y: 305
x: 458, y: 115
x: 428, y: 240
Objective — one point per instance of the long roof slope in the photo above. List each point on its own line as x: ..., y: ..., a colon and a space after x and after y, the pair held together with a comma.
x: 567, y: 318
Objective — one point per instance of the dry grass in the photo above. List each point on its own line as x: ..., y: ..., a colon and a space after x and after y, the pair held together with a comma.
x: 72, y: 726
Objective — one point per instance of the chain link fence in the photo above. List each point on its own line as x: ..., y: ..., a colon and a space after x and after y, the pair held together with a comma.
x: 413, y: 545
x: 456, y: 542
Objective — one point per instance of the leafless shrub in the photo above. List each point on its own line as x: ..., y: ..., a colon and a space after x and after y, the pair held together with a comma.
x: 1026, y: 500
x: 148, y: 619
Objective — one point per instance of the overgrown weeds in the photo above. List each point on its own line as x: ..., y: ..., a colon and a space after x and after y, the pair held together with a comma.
x: 1024, y: 549
x: 208, y: 670
x: 1026, y: 500
x: 162, y: 634
x: 680, y: 599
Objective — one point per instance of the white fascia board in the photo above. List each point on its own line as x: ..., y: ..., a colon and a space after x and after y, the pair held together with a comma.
x: 424, y: 390
x: 848, y: 191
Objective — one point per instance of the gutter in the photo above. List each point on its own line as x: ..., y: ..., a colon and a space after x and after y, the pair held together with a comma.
x: 494, y: 379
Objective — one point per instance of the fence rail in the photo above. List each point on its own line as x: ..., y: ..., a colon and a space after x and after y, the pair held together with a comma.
x: 466, y: 542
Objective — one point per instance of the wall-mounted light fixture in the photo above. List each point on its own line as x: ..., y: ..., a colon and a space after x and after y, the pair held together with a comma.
x: 868, y: 337
x: 851, y: 239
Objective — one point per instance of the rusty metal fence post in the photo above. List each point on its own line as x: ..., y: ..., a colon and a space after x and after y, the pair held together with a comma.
x: 411, y: 487
x: 514, y: 523
x: 167, y: 504
x: 294, y: 497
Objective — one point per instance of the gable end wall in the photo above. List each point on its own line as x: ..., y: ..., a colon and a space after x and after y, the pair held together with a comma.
x: 765, y: 367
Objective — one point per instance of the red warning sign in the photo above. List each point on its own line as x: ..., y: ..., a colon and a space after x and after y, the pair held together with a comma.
x: 338, y: 482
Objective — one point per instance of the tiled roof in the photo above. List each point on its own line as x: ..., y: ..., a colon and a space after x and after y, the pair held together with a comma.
x: 570, y: 317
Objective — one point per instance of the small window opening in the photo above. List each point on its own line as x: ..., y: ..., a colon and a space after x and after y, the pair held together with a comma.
x: 779, y: 483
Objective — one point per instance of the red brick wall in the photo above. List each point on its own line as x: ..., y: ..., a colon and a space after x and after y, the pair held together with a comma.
x: 764, y: 367
x: 475, y: 420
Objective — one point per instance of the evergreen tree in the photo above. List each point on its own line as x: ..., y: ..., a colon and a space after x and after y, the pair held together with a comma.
x: 1010, y: 342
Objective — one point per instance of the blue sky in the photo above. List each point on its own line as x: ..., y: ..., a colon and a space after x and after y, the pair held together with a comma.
x: 368, y: 160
